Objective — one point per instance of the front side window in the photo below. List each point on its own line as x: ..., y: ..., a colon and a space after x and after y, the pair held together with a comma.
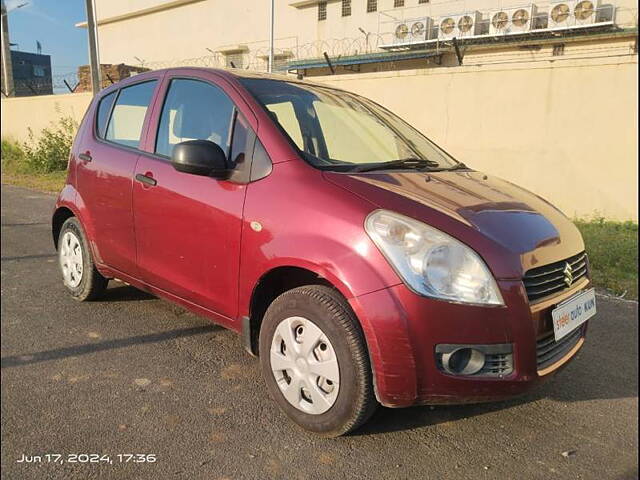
x: 127, y: 118
x: 341, y: 131
x: 194, y: 110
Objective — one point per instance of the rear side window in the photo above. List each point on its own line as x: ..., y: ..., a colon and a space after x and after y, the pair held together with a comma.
x: 125, y: 125
x: 194, y: 110
x: 104, y: 108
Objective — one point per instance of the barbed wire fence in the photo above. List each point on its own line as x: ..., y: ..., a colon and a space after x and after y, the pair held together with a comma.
x: 256, y: 57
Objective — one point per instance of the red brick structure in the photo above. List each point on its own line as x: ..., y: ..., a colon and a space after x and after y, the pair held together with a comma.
x: 109, y: 74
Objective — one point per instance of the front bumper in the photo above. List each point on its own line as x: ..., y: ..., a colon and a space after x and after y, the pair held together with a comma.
x: 403, y: 329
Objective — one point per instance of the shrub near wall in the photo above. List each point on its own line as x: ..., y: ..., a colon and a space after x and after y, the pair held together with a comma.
x: 46, y: 153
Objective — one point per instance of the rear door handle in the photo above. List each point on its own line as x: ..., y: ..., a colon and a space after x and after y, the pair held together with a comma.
x: 85, y: 157
x: 152, y: 182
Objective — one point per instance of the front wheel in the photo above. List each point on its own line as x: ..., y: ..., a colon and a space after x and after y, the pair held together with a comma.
x: 79, y: 274
x: 314, y: 361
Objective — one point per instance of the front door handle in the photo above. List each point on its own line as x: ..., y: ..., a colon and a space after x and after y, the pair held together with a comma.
x: 152, y: 182
x: 85, y: 157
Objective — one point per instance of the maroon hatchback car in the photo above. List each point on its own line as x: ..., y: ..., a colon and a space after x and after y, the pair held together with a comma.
x: 360, y: 261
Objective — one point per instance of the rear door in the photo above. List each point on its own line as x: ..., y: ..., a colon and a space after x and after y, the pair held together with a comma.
x: 188, y: 226
x: 106, y: 165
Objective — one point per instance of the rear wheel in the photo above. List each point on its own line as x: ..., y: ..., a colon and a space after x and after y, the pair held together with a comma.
x: 314, y: 361
x: 79, y: 274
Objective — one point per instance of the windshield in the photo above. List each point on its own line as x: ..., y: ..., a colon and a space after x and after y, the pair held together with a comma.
x: 337, y: 130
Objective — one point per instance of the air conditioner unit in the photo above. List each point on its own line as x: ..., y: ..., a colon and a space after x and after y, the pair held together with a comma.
x: 585, y: 12
x: 459, y: 26
x: 401, y: 33
x: 512, y: 20
x: 561, y: 15
x: 420, y: 29
x: 412, y: 31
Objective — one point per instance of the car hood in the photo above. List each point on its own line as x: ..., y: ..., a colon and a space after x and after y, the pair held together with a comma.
x: 518, y: 223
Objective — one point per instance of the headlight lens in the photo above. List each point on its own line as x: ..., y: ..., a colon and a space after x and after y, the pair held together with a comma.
x: 430, y: 261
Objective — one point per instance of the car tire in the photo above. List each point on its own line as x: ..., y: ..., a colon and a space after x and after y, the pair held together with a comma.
x: 80, y: 276
x: 332, y: 332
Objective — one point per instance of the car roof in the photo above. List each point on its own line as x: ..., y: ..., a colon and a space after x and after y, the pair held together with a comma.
x: 232, y: 74
x: 238, y: 73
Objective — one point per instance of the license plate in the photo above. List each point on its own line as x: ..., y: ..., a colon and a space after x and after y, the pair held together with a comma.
x: 572, y: 313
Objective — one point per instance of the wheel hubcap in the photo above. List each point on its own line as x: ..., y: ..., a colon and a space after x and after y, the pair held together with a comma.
x: 71, y: 259
x: 305, y: 365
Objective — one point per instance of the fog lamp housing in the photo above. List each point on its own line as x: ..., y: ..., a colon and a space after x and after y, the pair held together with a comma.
x: 495, y: 360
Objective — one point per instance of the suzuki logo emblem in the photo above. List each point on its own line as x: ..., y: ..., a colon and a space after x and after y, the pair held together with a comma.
x: 568, y: 274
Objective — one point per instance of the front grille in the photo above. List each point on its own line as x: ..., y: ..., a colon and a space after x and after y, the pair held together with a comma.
x: 543, y: 281
x: 549, y: 351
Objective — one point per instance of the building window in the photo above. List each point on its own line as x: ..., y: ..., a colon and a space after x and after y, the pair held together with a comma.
x: 372, y: 6
x: 322, y: 11
x: 423, y: 1
x: 346, y: 8
x: 398, y: 3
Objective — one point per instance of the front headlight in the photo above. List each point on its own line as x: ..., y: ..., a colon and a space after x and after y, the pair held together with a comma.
x: 431, y: 262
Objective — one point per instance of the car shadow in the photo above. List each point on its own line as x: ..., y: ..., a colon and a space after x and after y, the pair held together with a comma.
x: 24, y: 224
x: 387, y: 420
x: 88, y: 348
x: 125, y: 293
x: 28, y: 257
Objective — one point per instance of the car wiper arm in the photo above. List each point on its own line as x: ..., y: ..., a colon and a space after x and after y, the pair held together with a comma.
x: 403, y: 163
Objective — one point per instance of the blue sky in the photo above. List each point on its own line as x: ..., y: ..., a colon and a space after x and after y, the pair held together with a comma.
x: 52, y: 22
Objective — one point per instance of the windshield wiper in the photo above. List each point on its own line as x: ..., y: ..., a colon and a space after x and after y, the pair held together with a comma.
x: 403, y: 163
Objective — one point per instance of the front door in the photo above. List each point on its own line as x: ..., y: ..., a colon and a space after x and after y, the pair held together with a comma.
x: 188, y: 226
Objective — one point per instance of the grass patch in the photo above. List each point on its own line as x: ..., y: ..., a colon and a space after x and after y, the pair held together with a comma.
x: 45, y: 182
x: 613, y: 254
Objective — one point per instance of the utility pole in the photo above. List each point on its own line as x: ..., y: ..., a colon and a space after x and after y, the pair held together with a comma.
x: 271, y: 36
x: 7, y: 66
x: 94, y: 60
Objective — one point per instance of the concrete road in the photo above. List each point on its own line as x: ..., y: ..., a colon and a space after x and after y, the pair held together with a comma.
x: 132, y: 374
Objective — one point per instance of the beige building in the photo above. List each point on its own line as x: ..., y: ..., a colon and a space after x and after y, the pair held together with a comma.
x: 156, y: 32
x: 546, y: 99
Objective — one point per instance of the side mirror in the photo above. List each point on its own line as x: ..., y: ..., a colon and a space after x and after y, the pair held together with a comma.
x: 199, y: 157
